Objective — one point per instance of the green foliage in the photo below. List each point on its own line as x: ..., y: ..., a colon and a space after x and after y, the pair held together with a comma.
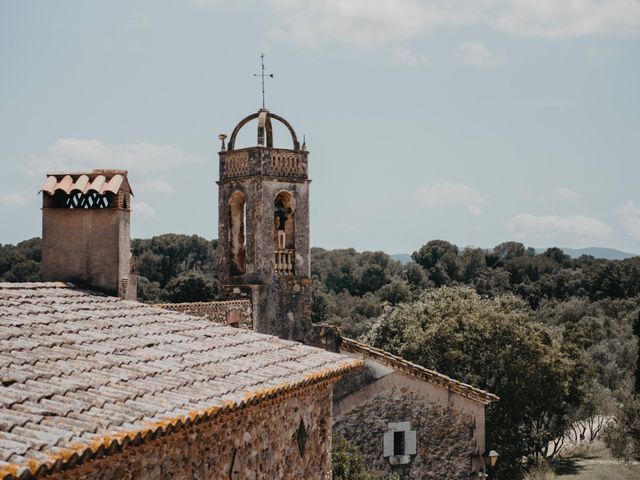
x: 176, y: 268
x: 587, y: 309
x: 623, y: 435
x: 510, y: 267
x: 349, y: 287
x: 191, y: 286
x: 493, y: 344
x: 599, y: 336
x: 21, y: 262
x: 636, y: 332
x: 440, y: 259
x: 347, y: 463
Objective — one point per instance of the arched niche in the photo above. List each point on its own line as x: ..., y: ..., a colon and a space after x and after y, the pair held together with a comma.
x: 284, y: 221
x: 237, y: 233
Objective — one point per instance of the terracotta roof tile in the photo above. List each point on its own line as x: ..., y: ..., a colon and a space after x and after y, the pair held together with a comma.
x: 99, y: 181
x: 79, y: 371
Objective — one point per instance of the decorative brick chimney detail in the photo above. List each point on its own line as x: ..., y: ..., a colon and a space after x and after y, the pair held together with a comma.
x: 86, y: 235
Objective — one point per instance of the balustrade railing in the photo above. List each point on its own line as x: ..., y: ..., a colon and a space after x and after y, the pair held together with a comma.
x: 284, y: 260
x: 236, y: 165
x: 285, y: 164
x: 253, y: 161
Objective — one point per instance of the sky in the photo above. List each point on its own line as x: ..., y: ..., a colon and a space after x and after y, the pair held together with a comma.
x: 472, y: 121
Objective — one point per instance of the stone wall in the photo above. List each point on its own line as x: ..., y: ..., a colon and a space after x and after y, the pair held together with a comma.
x: 445, y: 442
x: 263, y: 438
x: 236, y: 313
x: 281, y: 295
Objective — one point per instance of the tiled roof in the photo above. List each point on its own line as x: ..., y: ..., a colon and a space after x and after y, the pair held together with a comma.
x: 431, y: 376
x: 84, y: 374
x: 99, y: 181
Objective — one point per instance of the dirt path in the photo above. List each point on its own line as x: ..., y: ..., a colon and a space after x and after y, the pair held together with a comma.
x: 597, y: 468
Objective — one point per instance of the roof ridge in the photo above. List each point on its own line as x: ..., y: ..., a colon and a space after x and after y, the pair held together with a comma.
x: 35, y: 285
x: 419, y: 371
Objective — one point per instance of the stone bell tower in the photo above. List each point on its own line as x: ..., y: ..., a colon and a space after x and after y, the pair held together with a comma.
x: 263, y: 229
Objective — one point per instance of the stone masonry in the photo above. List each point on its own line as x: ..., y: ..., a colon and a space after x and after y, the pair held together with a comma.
x: 445, y: 440
x: 263, y: 439
x: 236, y: 313
x: 263, y: 231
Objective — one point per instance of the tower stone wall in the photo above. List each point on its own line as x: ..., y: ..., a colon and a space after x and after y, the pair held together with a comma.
x: 263, y: 222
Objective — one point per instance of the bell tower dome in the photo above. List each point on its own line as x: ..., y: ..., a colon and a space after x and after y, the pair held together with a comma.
x: 263, y: 228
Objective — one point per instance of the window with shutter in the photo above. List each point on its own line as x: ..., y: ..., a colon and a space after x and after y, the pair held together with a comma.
x: 399, y: 443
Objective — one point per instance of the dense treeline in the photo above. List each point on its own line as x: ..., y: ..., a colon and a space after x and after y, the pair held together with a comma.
x: 21, y: 262
x: 555, y: 337
x: 552, y: 336
x: 171, y: 267
x: 176, y: 268
x: 351, y: 286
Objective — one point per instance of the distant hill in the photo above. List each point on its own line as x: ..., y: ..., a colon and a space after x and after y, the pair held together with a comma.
x: 401, y: 257
x: 596, y: 252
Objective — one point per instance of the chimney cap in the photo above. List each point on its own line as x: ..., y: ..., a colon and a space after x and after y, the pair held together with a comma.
x: 100, y: 181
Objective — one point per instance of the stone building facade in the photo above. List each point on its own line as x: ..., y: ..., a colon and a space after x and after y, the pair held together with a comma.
x: 98, y: 387
x: 265, y: 441
x: 94, y: 385
x: 443, y: 445
x: 409, y: 420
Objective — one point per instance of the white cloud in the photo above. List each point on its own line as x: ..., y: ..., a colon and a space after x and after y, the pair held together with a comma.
x: 355, y: 22
x: 85, y: 154
x: 141, y: 209
x: 154, y: 186
x: 556, y: 230
x: 387, y: 22
x: 475, y: 53
x: 566, y: 194
x: 569, y: 18
x: 452, y: 194
x: 629, y: 218
x: 12, y: 200
x: 409, y: 57
x: 474, y: 209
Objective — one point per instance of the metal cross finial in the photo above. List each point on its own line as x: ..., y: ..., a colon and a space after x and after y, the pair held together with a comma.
x: 263, y: 75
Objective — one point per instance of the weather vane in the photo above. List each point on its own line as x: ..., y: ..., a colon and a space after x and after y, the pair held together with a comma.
x: 263, y: 75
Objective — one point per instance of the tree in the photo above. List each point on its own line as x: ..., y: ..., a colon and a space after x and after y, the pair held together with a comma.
x: 397, y: 291
x: 636, y: 331
x: 623, y: 435
x: 493, y: 344
x: 21, y: 263
x: 347, y: 463
x: 509, y: 250
x: 473, y: 262
x: 191, y: 286
x: 440, y: 260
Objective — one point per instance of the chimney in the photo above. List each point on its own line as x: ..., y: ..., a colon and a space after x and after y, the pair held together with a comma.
x: 86, y: 235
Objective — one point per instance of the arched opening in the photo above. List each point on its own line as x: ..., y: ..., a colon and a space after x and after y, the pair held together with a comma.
x: 284, y: 231
x: 237, y: 237
x: 265, y: 130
